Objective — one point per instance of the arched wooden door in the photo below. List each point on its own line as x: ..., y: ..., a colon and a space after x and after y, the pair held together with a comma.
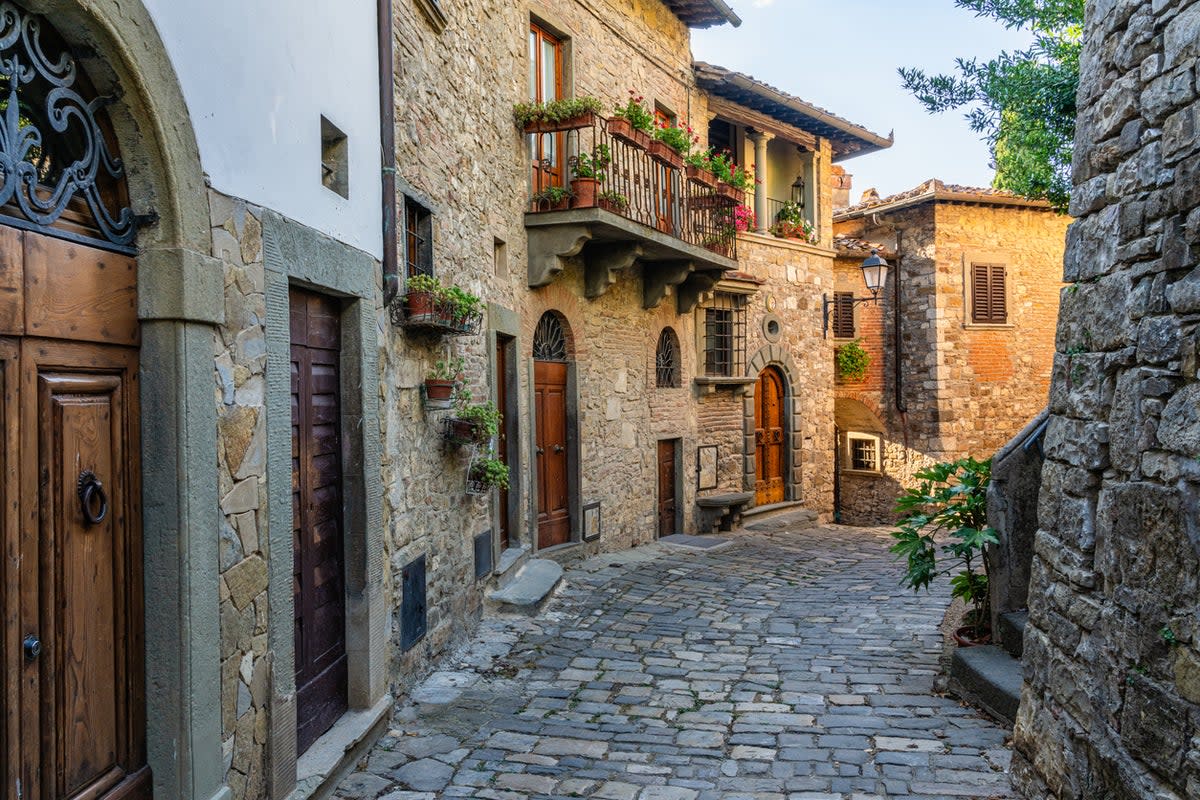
x: 770, y: 438
x: 550, y: 410
x: 73, y: 699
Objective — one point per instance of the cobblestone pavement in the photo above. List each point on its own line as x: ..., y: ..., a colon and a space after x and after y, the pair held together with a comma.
x: 785, y: 667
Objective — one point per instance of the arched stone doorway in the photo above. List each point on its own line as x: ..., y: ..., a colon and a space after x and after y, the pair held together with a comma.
x: 774, y: 361
x: 770, y: 438
x: 553, y: 430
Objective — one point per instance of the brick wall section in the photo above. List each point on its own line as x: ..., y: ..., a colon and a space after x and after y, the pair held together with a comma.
x: 968, y: 388
x: 1111, y: 706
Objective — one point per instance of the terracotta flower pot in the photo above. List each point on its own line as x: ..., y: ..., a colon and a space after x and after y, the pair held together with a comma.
x: 969, y: 636
x: 731, y: 192
x: 571, y: 123
x: 421, y: 305
x: 585, y: 190
x: 621, y: 128
x: 666, y: 155
x: 438, y: 391
x: 701, y: 177
x: 463, y: 431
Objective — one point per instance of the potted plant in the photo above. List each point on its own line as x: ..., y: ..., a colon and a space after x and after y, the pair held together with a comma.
x: 421, y: 294
x: 852, y: 361
x: 589, y: 174
x: 791, y: 224
x: 633, y: 122
x: 487, y: 473
x: 699, y: 168
x: 459, y: 308
x: 613, y: 201
x: 951, y: 498
x: 671, y: 143
x: 471, y: 423
x: 441, y: 381
x: 732, y: 180
x: 552, y: 198
x: 557, y: 115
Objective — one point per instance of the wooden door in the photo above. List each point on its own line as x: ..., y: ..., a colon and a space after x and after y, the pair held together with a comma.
x: 769, y: 437
x: 664, y: 192
x: 72, y: 593
x: 508, y: 415
x: 553, y: 486
x: 318, y: 569
x: 667, y: 503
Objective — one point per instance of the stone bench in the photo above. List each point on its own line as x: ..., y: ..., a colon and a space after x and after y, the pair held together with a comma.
x: 721, y: 511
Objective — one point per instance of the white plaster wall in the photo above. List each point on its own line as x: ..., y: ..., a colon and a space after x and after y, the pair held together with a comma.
x: 257, y: 77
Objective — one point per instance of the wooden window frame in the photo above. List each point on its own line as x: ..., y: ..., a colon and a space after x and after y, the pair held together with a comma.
x: 982, y: 302
x: 418, y: 238
x: 876, y: 444
x: 555, y: 176
x: 723, y: 334
x: 842, y: 323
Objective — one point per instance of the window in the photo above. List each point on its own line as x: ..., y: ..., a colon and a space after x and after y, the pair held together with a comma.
x: 335, y: 161
x: 989, y: 299
x: 843, y: 315
x: 545, y: 85
x: 664, y: 195
x: 666, y: 360
x: 549, y: 339
x: 418, y: 238
x: 721, y: 137
x: 725, y: 336
x: 862, y: 451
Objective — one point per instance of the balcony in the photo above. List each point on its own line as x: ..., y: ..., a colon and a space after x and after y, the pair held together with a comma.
x: 638, y: 210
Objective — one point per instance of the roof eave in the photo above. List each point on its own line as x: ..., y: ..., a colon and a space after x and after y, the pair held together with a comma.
x: 943, y: 196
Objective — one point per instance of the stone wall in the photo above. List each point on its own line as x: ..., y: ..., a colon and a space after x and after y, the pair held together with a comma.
x: 1111, y: 706
x: 966, y: 389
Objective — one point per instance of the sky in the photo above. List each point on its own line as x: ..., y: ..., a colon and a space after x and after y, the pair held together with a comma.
x: 843, y: 56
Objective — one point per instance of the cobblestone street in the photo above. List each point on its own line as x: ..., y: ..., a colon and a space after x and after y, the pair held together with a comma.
x: 784, y: 667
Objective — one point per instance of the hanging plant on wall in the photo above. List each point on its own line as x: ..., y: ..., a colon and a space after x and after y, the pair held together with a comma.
x: 852, y: 361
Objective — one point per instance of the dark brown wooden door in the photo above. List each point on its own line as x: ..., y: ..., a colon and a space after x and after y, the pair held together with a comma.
x: 550, y: 399
x: 667, y: 503
x: 509, y: 414
x: 318, y: 569
x: 72, y: 591
x: 769, y: 437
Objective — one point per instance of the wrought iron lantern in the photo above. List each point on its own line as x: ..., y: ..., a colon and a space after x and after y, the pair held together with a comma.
x: 875, y: 272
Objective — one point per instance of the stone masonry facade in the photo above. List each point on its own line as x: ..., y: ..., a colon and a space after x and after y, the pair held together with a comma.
x: 1111, y: 706
x: 965, y: 388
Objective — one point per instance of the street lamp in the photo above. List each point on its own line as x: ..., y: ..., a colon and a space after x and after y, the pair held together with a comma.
x: 875, y: 270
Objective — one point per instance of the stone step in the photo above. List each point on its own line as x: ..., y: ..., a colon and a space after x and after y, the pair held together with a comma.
x: 989, y: 678
x: 510, y: 564
x: 1012, y: 632
x: 781, y: 517
x: 531, y: 588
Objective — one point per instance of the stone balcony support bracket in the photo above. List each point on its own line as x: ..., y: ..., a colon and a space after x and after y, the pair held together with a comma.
x: 658, y: 282
x: 549, y: 246
x: 604, y: 261
x: 688, y: 296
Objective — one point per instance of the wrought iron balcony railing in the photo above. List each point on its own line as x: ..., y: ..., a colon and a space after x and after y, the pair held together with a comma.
x: 633, y: 177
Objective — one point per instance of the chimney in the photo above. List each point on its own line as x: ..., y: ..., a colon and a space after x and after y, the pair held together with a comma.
x: 841, y: 187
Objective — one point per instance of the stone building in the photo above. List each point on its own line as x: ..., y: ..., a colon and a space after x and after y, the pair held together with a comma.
x: 1111, y: 705
x: 960, y: 340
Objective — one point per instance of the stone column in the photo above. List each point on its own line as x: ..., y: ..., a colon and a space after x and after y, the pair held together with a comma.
x: 760, y: 140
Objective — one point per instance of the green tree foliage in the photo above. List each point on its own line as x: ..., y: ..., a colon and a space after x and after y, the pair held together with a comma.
x: 1022, y: 102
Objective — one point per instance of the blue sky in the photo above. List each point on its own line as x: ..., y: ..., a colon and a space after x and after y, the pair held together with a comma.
x: 843, y: 56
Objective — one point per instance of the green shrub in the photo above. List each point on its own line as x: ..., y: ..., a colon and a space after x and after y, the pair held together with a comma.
x: 555, y: 110
x: 852, y: 361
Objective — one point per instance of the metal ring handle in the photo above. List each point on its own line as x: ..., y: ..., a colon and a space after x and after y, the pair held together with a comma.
x: 91, y: 492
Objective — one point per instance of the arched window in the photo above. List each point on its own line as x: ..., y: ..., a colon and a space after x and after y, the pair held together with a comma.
x: 549, y: 340
x: 666, y: 360
x: 61, y: 169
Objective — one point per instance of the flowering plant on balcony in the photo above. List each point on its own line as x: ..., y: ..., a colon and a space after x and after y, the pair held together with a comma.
x: 790, y: 223
x: 636, y: 113
x: 575, y: 112
x: 680, y: 138
x: 742, y: 219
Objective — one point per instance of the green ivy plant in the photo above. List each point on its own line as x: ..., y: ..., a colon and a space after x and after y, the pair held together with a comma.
x: 852, y: 361
x: 949, y: 500
x: 556, y: 110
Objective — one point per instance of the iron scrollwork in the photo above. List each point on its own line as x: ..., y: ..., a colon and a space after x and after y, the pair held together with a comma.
x: 52, y: 148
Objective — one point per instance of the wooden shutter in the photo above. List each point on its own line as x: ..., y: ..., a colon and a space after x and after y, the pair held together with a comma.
x: 843, y: 315
x: 989, y: 301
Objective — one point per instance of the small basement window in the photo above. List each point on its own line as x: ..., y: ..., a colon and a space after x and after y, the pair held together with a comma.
x: 863, y: 452
x: 335, y: 159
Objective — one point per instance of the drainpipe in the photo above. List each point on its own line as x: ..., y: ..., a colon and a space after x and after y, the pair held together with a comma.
x: 387, y: 130
x: 760, y: 140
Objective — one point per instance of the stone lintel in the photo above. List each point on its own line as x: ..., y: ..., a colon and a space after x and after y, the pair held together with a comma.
x: 604, y: 261
x: 659, y: 277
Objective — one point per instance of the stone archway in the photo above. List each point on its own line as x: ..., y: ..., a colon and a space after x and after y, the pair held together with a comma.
x: 775, y: 356
x: 180, y: 299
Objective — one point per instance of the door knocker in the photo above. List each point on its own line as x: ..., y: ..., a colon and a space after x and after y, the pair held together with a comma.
x: 92, y: 500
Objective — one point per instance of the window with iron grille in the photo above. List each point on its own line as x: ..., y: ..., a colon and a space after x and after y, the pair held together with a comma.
x: 989, y: 300
x: 418, y: 238
x: 863, y: 450
x: 725, y: 336
x: 667, y: 360
x: 843, y: 315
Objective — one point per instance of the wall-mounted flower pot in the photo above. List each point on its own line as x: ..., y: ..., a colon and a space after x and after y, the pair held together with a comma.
x: 701, y: 177
x: 463, y: 431
x: 730, y: 192
x: 666, y: 155
x: 621, y: 128
x: 438, y: 393
x: 585, y: 190
x: 421, y: 305
x: 586, y: 120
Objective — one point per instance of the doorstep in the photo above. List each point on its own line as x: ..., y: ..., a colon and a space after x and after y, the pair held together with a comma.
x: 333, y: 756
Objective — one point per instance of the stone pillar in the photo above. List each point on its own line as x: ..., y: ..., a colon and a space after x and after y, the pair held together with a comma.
x: 760, y: 140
